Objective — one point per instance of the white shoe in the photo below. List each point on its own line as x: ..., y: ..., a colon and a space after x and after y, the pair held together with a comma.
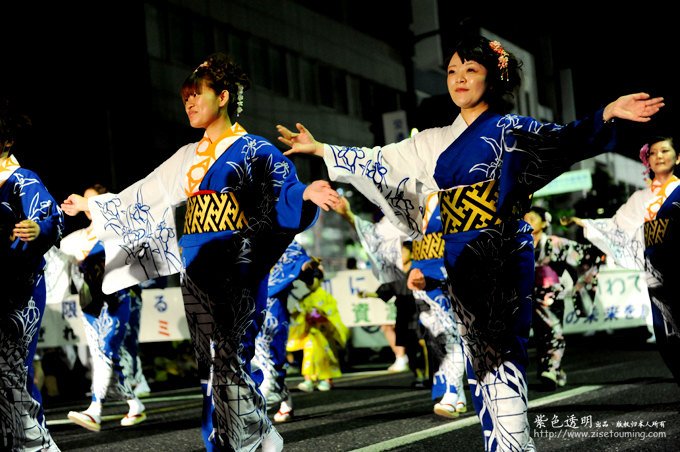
x: 400, y: 364
x: 306, y: 386
x: 272, y: 442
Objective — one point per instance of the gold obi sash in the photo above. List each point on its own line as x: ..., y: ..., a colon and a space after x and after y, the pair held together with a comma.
x: 213, y: 212
x: 469, y: 207
x: 655, y: 231
x: 431, y: 246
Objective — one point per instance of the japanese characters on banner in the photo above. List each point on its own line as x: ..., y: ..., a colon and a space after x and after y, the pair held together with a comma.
x: 621, y: 302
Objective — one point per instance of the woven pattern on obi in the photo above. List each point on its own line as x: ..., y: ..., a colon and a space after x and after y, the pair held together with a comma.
x: 655, y: 231
x: 431, y: 246
x: 213, y: 212
x: 469, y: 207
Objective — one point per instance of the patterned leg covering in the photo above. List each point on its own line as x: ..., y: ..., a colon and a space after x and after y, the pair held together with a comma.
x: 436, y: 315
x: 270, y: 352
x: 223, y: 331
x: 22, y: 423
x: 105, y: 335
x: 549, y: 336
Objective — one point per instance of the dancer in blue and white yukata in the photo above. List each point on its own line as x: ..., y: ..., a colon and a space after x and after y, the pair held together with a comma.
x: 111, y: 326
x: 428, y: 280
x: 244, y: 205
x: 270, y: 343
x: 484, y: 167
x: 30, y: 224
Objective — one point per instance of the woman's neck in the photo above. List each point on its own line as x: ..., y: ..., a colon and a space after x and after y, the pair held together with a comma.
x: 471, y: 114
x: 663, y: 178
x: 217, y: 128
x: 537, y: 237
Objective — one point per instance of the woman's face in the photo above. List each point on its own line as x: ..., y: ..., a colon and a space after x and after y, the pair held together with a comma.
x: 662, y: 158
x: 467, y: 83
x: 537, y: 223
x: 204, y: 108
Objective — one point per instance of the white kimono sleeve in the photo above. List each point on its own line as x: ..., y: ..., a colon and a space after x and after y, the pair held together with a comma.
x: 622, y: 237
x: 382, y: 243
x: 394, y: 177
x: 137, y: 226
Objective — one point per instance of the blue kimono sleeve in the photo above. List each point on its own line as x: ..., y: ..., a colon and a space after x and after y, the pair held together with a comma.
x: 292, y: 213
x: 39, y: 206
x: 537, y: 153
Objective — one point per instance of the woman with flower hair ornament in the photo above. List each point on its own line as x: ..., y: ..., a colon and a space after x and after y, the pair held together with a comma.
x: 643, y: 235
x: 484, y: 166
x: 30, y: 224
x: 244, y: 206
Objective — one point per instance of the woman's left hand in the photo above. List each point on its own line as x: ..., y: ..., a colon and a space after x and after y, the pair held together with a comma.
x: 321, y: 194
x: 26, y: 230
x: 637, y: 107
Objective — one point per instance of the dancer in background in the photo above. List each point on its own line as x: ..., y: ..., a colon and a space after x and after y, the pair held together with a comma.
x: 271, y: 341
x: 642, y: 235
x: 407, y: 328
x: 382, y: 243
x: 245, y: 204
x: 317, y: 329
x: 561, y: 273
x: 30, y: 224
x: 484, y: 166
x: 110, y: 321
x: 427, y: 279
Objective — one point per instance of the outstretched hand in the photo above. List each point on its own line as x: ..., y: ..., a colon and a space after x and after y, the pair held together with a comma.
x: 26, y: 230
x: 299, y: 142
x: 74, y: 204
x: 637, y: 107
x: 321, y: 194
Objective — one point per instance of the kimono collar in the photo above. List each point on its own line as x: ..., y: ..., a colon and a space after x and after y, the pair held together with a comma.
x: 7, y: 168
x: 207, y: 152
x: 661, y: 193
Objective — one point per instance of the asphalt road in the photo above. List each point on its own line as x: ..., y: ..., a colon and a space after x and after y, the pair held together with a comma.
x: 619, y: 396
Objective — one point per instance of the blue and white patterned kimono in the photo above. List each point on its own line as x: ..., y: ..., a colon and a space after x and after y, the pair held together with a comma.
x: 240, y: 219
x: 434, y: 306
x: 484, y: 174
x: 110, y: 321
x: 270, y: 343
x: 22, y: 304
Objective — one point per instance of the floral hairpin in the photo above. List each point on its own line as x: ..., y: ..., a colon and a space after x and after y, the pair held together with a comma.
x: 502, y: 58
x: 644, y: 156
x: 239, y: 99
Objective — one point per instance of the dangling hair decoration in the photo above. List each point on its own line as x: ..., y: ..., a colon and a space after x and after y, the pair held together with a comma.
x: 239, y: 99
x: 644, y: 156
x: 502, y: 58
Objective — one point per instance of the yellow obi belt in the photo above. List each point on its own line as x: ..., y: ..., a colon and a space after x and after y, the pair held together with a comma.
x: 431, y: 246
x: 213, y: 212
x: 655, y: 231
x: 469, y: 207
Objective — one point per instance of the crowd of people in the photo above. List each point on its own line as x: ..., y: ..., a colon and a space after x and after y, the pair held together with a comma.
x: 460, y: 247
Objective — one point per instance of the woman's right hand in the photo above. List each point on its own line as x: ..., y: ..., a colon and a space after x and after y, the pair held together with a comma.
x: 416, y: 280
x: 301, y: 142
x: 74, y: 204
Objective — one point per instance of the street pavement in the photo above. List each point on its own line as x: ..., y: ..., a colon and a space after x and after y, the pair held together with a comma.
x: 619, y: 396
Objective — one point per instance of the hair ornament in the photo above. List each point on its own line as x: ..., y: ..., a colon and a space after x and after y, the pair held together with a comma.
x: 644, y: 156
x: 548, y: 217
x: 203, y: 64
x: 502, y: 58
x: 239, y: 99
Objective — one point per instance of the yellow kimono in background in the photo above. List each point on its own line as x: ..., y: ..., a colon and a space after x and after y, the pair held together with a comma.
x: 317, y: 329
